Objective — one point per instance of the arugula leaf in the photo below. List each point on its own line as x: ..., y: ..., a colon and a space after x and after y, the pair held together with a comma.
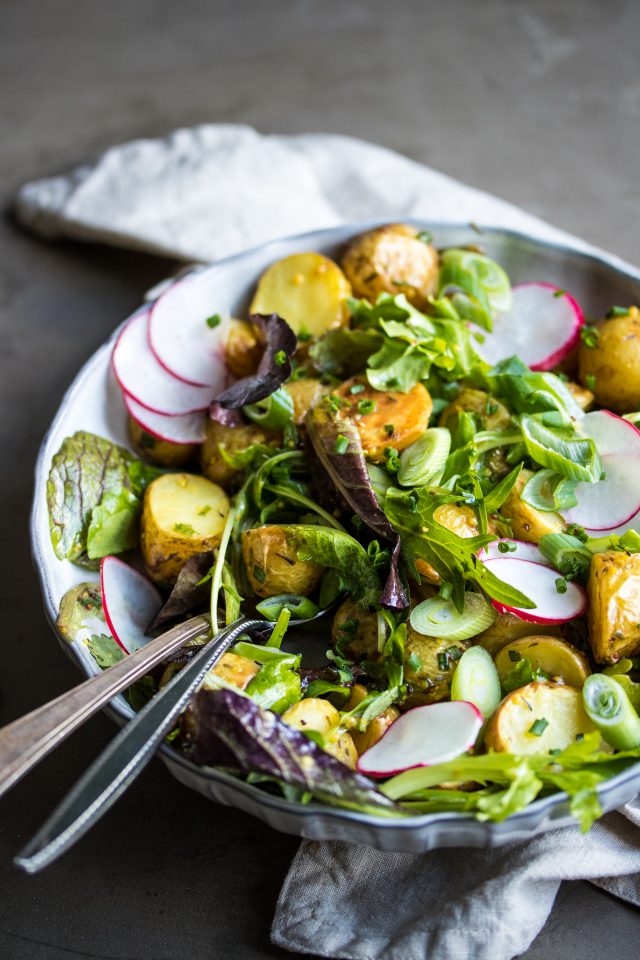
x: 453, y: 557
x: 497, y: 495
x: 94, y: 494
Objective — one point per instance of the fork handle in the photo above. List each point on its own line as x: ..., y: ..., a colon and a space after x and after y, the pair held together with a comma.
x: 27, y: 740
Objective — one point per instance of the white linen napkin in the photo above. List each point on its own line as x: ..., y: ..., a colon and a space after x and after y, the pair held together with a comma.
x: 207, y: 192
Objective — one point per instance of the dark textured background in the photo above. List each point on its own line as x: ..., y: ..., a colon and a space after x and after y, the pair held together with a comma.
x: 538, y: 102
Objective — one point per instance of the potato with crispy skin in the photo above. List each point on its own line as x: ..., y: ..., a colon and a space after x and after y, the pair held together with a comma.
x: 614, y: 606
x: 538, y: 718
x: 307, y: 290
x: 385, y: 418
x: 182, y: 515
x: 527, y: 523
x: 609, y: 362
x: 272, y: 565
x: 462, y: 521
x: 356, y: 631
x: 243, y: 349
x: 320, y: 716
x: 232, y: 440
x: 392, y: 259
x: 161, y: 452
x: 508, y: 628
x: 430, y: 663
x: 557, y: 658
x: 490, y: 413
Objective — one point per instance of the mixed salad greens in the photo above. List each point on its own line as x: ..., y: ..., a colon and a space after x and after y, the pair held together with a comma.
x: 446, y: 467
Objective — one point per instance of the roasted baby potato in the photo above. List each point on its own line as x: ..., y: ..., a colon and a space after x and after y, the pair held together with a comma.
x: 232, y: 440
x: 508, y: 628
x: 305, y: 394
x: 538, y: 718
x: 397, y: 419
x: 460, y: 520
x: 375, y: 729
x: 527, y: 523
x: 490, y: 413
x: 308, y: 290
x: 272, y: 566
x: 182, y: 515
x: 583, y: 397
x: 243, y: 350
x: 392, y: 259
x: 557, y: 658
x: 237, y: 670
x: 430, y: 663
x: 158, y: 451
x: 614, y: 605
x: 356, y: 631
x: 611, y: 367
x: 318, y: 715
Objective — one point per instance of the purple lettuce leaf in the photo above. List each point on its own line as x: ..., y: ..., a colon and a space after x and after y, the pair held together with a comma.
x: 280, y: 343
x: 262, y: 743
x: 348, y: 473
x: 188, y: 594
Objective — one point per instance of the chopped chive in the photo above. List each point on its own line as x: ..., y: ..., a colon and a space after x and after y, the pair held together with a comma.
x: 514, y: 656
x: 203, y: 511
x: 389, y: 429
x: 454, y: 652
x: 555, y: 752
x: 184, y: 528
x: 443, y: 661
x: 561, y: 584
x: 414, y: 662
x: 559, y: 293
x: 280, y: 358
x: 590, y: 381
x: 366, y: 406
x: 259, y: 573
x: 579, y: 737
x: 357, y: 388
x: 213, y: 321
x: 538, y: 727
x: 507, y: 547
x: 303, y: 335
x: 341, y: 444
x: 589, y: 336
x: 425, y: 236
x: 617, y: 312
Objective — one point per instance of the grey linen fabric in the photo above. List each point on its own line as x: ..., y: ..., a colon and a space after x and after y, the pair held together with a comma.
x: 210, y: 191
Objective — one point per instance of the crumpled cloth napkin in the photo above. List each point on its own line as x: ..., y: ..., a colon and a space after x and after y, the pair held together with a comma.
x: 210, y: 191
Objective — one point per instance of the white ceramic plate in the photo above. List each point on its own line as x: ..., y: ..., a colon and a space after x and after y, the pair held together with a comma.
x: 93, y: 403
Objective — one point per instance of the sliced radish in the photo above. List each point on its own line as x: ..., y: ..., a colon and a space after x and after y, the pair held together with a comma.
x: 423, y: 736
x: 143, y: 378
x: 189, y: 428
x: 539, y: 583
x: 130, y: 602
x: 611, y: 502
x: 541, y: 328
x: 632, y: 524
x: 180, y: 337
x: 522, y: 551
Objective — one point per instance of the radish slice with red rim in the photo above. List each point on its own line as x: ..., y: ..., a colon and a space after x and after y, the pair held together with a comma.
x: 615, y: 500
x: 556, y: 600
x: 141, y: 376
x: 423, y: 736
x: 514, y: 549
x: 130, y: 603
x: 541, y: 328
x: 188, y: 428
x: 183, y: 342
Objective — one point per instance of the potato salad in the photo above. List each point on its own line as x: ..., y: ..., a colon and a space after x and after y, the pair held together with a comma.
x: 397, y: 452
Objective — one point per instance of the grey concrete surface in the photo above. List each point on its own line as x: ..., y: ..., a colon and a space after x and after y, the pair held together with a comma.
x: 536, y: 101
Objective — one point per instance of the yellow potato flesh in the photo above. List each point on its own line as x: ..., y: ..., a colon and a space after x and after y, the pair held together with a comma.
x: 236, y: 670
x: 555, y: 657
x: 527, y: 523
x: 397, y: 420
x: 307, y: 290
x: 614, y: 605
x: 509, y: 730
x: 508, y: 627
x: 272, y: 565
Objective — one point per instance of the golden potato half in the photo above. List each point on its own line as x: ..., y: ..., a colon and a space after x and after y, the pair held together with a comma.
x: 182, y: 515
x: 610, y: 366
x: 508, y: 628
x: 527, y: 523
x: 538, y: 718
x: 155, y: 450
x: 307, y: 290
x: 555, y: 657
x: 394, y: 419
x: 272, y: 565
x: 392, y: 259
x: 614, y: 605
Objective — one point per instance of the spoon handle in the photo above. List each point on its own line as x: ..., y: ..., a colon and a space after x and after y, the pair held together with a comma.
x: 125, y: 757
x: 27, y: 740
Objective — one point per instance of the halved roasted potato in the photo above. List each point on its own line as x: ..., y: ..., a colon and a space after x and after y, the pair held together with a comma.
x: 305, y: 394
x: 272, y: 565
x: 182, y: 515
x: 508, y: 628
x: 462, y: 521
x: 557, y: 658
x: 614, y: 605
x: 610, y: 363
x: 232, y: 440
x: 538, y: 718
x: 356, y: 631
x: 242, y: 350
x: 307, y: 290
x: 527, y: 523
x: 386, y: 418
x: 395, y: 258
x: 430, y: 663
x: 236, y: 670
x: 161, y: 452
x: 318, y: 715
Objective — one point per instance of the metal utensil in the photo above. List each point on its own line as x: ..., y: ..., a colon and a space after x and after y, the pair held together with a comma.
x: 125, y: 757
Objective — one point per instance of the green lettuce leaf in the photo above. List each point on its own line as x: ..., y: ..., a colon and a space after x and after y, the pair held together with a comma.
x: 338, y: 551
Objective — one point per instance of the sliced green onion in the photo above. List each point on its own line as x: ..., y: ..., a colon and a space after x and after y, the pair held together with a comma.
x: 477, y: 680
x: 438, y: 617
x: 573, y: 457
x: 609, y: 707
x: 538, y: 727
x: 549, y: 491
x: 301, y: 608
x: 481, y: 278
x: 566, y: 553
x: 632, y: 417
x: 272, y: 413
x: 278, y: 632
x: 423, y: 462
